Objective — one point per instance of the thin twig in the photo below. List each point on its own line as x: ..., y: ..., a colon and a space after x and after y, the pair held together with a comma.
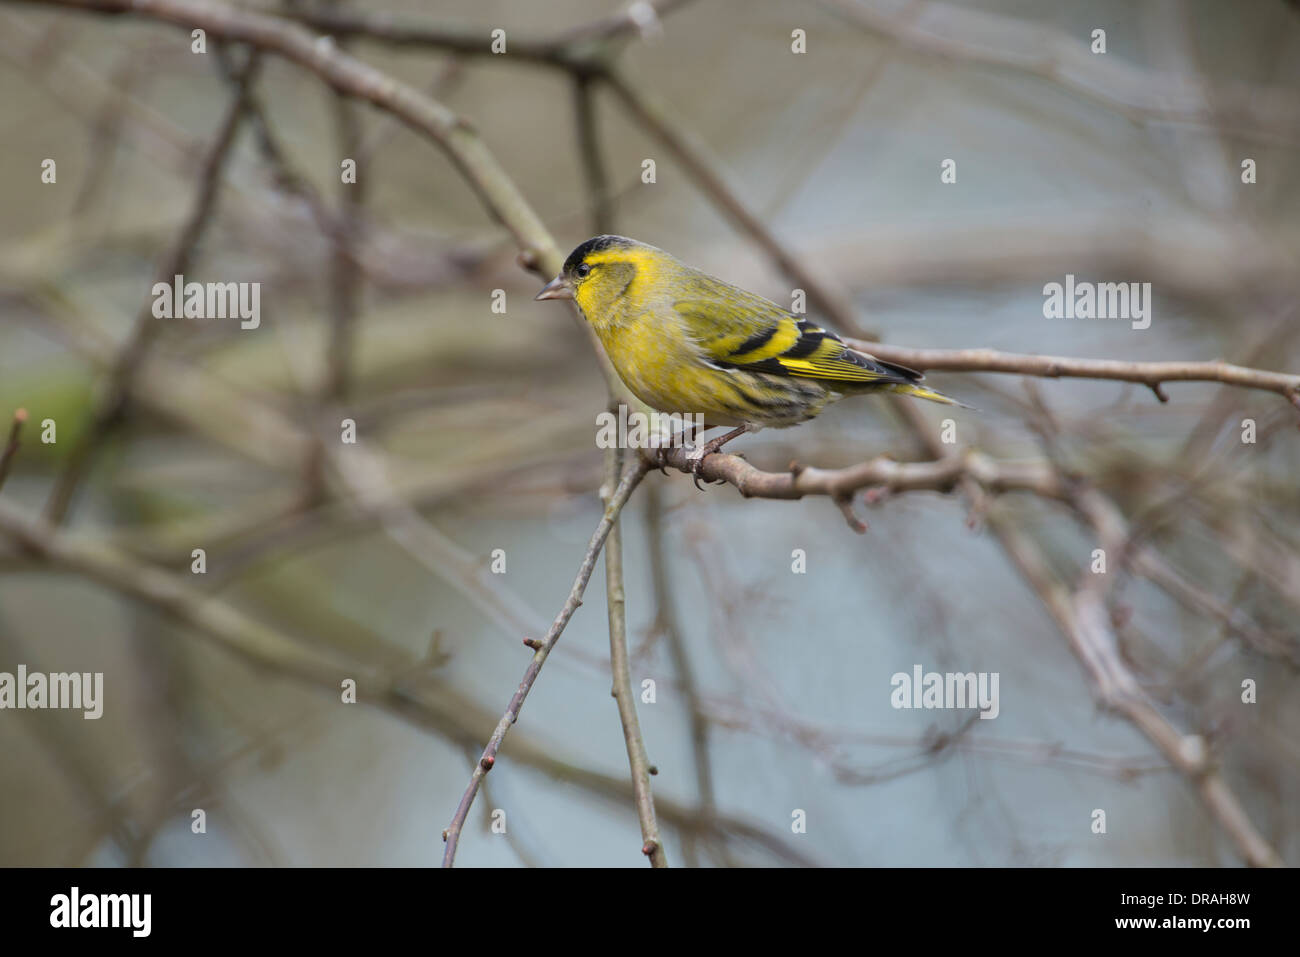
x: 621, y: 676
x: 631, y: 479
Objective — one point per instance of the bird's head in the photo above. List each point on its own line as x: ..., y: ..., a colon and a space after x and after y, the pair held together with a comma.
x: 600, y: 273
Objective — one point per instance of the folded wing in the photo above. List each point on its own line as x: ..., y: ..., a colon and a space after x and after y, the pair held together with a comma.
x: 743, y: 331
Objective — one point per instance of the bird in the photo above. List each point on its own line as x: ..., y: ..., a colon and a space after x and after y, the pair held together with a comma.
x: 689, y: 343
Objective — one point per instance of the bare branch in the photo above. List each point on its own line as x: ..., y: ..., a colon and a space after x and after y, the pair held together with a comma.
x: 939, y: 475
x: 1152, y: 374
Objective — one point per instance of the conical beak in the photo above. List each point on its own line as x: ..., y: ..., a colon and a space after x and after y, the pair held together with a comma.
x: 557, y: 288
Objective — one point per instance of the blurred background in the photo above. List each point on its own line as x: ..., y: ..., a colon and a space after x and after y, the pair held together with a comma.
x: 477, y: 431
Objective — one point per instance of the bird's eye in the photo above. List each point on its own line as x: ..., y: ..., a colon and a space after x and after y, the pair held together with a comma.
x: 583, y: 270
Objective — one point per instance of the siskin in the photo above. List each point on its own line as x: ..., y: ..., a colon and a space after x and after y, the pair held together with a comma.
x: 685, y: 342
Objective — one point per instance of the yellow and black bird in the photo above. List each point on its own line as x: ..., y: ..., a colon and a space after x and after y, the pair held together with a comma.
x: 686, y: 342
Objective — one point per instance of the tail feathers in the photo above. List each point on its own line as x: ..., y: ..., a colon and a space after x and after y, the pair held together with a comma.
x: 922, y: 392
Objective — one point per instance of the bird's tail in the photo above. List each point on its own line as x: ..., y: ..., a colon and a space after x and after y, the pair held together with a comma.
x: 893, y: 377
x: 923, y: 392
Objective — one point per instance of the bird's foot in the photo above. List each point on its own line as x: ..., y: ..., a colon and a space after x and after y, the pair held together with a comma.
x: 697, y: 454
x: 695, y: 458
